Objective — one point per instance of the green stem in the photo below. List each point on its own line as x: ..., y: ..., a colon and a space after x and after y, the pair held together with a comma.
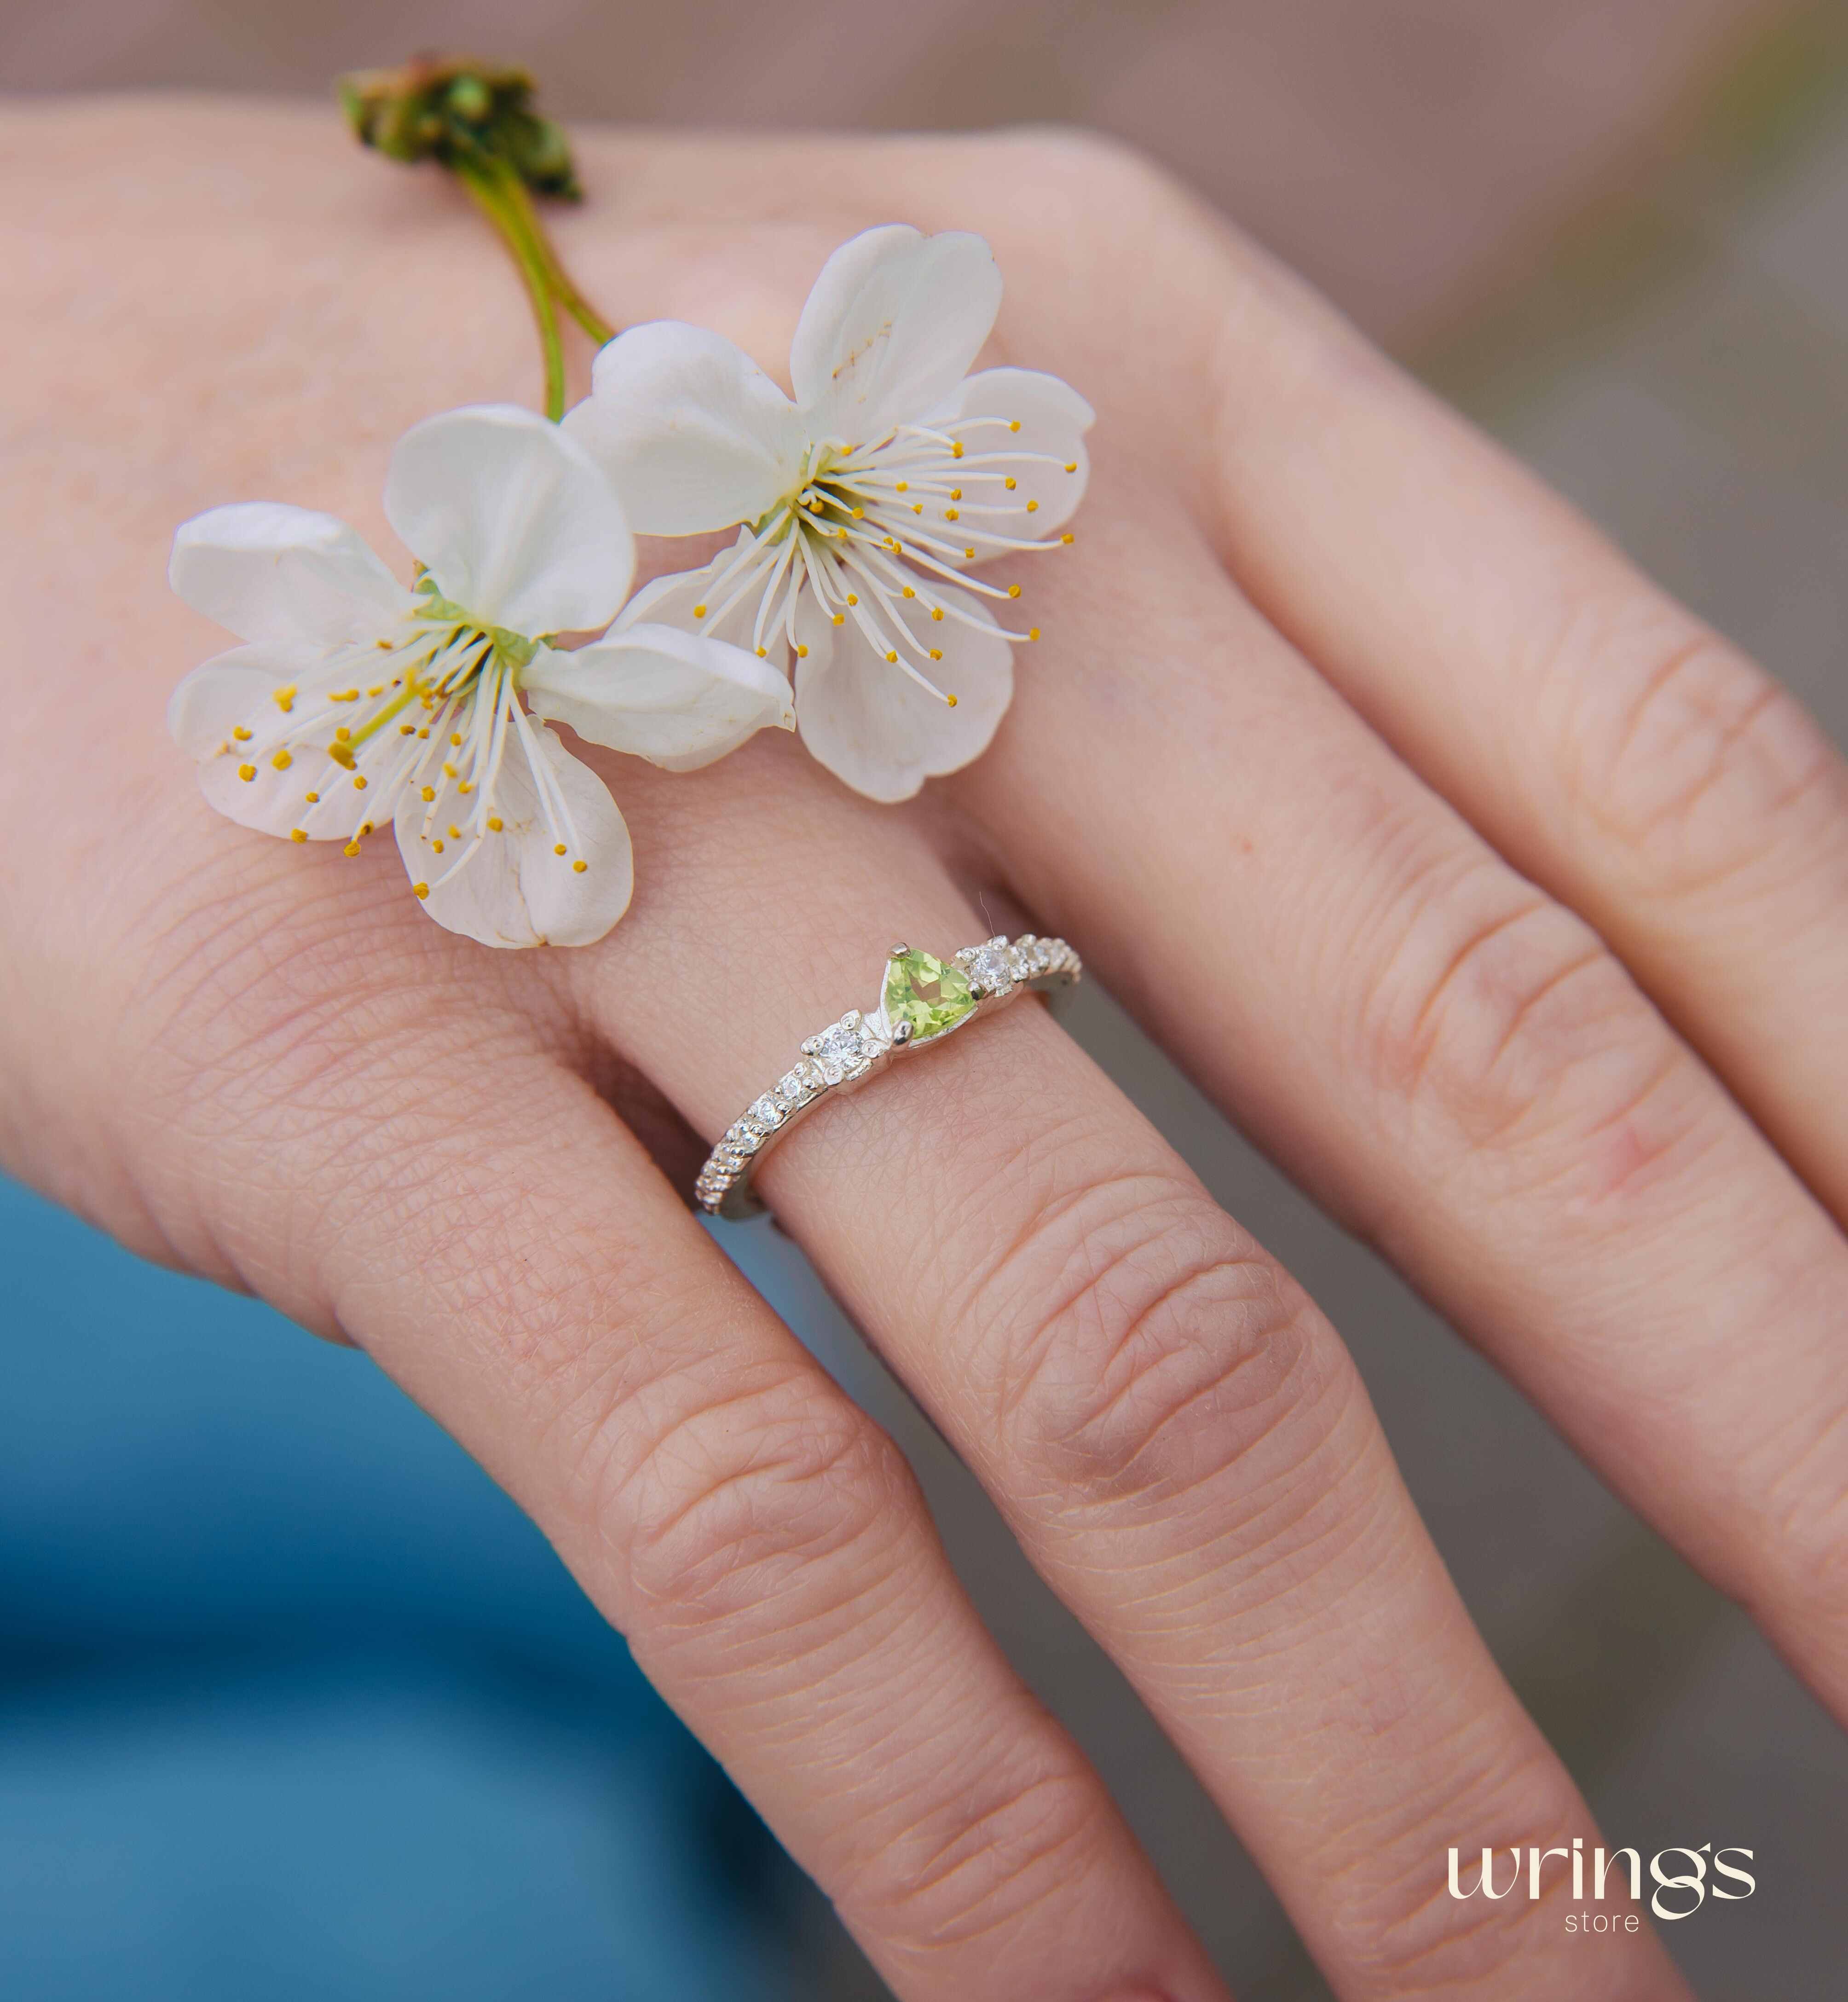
x: 564, y: 290
x: 486, y: 185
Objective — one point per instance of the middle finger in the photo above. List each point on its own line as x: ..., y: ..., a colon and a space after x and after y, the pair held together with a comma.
x: 1453, y: 1061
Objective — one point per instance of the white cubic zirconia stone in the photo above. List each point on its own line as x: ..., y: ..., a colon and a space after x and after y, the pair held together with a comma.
x: 991, y: 969
x: 767, y: 1112
x: 840, y: 1052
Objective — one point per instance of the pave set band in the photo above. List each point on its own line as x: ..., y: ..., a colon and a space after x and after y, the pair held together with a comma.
x: 922, y: 999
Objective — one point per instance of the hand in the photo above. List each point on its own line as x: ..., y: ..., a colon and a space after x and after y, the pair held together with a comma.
x: 1499, y: 900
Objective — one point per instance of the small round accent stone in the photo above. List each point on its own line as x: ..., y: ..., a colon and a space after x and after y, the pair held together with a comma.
x: 838, y: 1050
x: 991, y: 969
x: 767, y: 1112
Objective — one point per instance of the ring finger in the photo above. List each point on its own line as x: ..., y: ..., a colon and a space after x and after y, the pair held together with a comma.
x: 1174, y: 1432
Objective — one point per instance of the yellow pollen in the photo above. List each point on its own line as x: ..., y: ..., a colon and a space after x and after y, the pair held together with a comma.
x: 1072, y: 467
x: 956, y: 492
x: 448, y: 769
x: 455, y: 834
x: 859, y: 514
x: 968, y: 552
x: 282, y: 761
x: 352, y: 848
x: 425, y: 730
x: 379, y: 690
x: 420, y: 889
x: 1033, y: 507
x: 1013, y: 424
x: 467, y: 785
x: 937, y: 611
x: 437, y: 845
x: 1068, y: 539
x: 241, y: 734
x: 1010, y: 482
x: 917, y: 507
x: 852, y: 599
x: 952, y: 515
x: 298, y: 834
x: 1013, y: 590
x: 428, y: 792
x: 313, y: 799
x: 951, y: 699
x: 343, y: 734
x: 558, y: 848
x: 365, y: 827
x: 494, y: 823
x: 407, y: 730
x: 359, y: 782
x: 455, y: 738
x: 903, y: 486
x: 892, y: 657
x: 801, y: 652
x: 285, y: 698
x: 699, y: 611
x: 909, y: 592
x: 956, y: 451
x: 580, y: 865
x: 384, y: 646
x: 246, y: 772
x: 840, y: 619
x: 937, y: 653
x: 763, y: 653
x: 1032, y: 632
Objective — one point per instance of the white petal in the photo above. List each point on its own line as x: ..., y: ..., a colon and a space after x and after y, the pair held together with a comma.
x: 892, y: 325
x: 661, y: 693
x: 871, y: 723
x: 1053, y: 419
x: 670, y: 601
x: 513, y: 889
x: 695, y: 435
x: 514, y: 522
x: 270, y: 572
x: 233, y: 688
x: 238, y: 689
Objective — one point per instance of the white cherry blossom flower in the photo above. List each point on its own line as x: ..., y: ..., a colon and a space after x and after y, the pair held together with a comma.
x: 356, y: 702
x: 863, y: 499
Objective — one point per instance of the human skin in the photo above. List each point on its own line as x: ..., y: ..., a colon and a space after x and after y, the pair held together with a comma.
x: 1502, y: 902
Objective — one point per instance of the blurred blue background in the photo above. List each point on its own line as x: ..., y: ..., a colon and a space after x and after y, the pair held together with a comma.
x: 294, y: 1702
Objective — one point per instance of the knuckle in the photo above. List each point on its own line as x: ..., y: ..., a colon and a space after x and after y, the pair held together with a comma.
x: 1695, y: 760
x: 765, y: 1498
x: 1085, y: 189
x: 1386, y: 1873
x: 1145, y: 1345
x: 1412, y: 1937
x: 1501, y: 1015
x: 1081, y: 162
x: 1010, y: 1846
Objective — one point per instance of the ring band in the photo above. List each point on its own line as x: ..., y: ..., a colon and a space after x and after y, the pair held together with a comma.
x: 923, y: 1000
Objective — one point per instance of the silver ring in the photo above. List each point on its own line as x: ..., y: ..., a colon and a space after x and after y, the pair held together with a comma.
x: 923, y: 1001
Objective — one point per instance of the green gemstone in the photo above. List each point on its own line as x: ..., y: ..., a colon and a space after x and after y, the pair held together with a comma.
x: 931, y: 994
